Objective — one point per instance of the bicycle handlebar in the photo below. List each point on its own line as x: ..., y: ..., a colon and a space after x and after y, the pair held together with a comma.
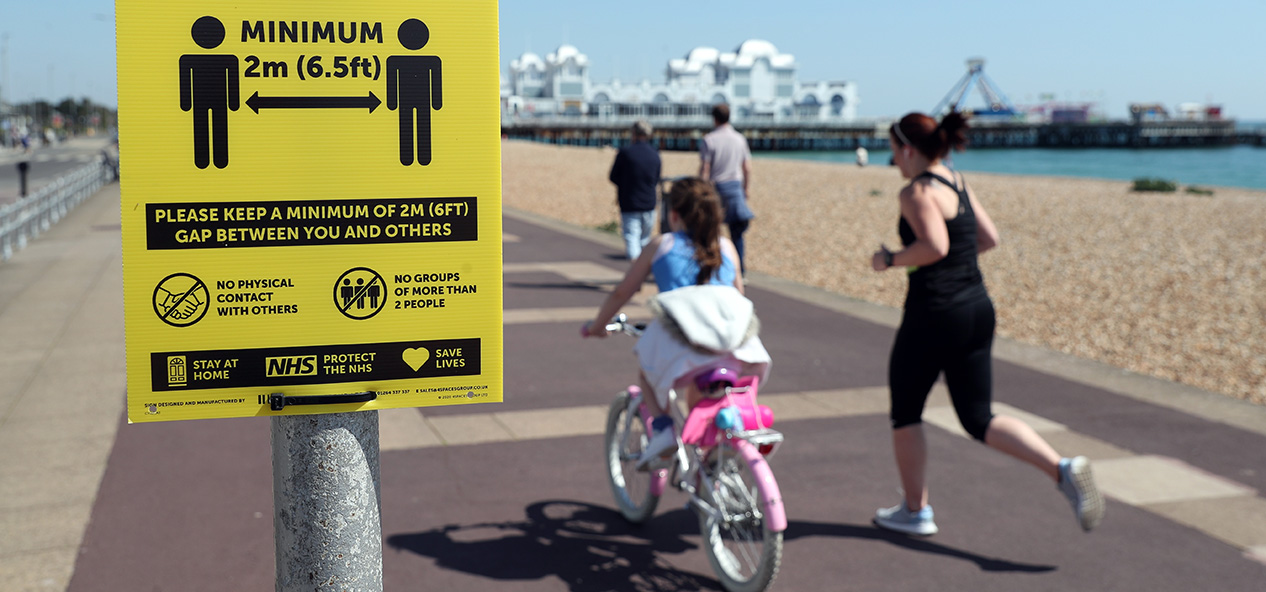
x: 620, y: 324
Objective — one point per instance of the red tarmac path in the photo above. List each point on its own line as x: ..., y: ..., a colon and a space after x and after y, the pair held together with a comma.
x: 187, y: 506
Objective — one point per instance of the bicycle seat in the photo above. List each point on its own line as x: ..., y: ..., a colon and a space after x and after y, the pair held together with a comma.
x: 717, y: 378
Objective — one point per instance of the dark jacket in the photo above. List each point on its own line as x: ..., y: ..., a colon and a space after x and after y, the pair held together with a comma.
x: 636, y: 175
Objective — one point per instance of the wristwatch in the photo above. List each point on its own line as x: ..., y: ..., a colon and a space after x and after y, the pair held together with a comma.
x: 887, y: 258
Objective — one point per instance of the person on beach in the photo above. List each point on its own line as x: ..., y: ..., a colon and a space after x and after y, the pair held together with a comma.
x: 635, y: 173
x: 726, y: 161
x: 693, y: 254
x: 948, y: 326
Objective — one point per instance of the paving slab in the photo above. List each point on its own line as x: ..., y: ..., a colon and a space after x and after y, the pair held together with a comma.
x: 554, y: 423
x: 403, y: 429
x: 37, y: 529
x: 28, y: 488
x: 1147, y: 480
x: 469, y: 429
x: 1237, y: 520
x: 42, y: 571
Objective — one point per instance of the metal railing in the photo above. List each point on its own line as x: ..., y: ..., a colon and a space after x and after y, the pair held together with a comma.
x: 23, y: 220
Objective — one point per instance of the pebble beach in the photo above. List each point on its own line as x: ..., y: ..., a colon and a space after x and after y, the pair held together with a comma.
x: 1171, y: 285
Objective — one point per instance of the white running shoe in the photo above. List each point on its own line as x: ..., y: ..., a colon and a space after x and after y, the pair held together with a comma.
x: 900, y: 519
x: 1077, y: 483
x: 662, y: 443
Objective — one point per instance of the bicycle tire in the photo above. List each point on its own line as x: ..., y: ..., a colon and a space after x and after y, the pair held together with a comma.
x: 744, y: 553
x: 622, y: 445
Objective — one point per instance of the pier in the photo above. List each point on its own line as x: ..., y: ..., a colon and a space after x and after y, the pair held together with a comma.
x: 802, y: 126
x: 1251, y: 138
x: 684, y: 133
x: 1119, y: 134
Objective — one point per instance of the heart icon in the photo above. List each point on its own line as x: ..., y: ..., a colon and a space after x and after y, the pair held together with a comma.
x: 415, y: 357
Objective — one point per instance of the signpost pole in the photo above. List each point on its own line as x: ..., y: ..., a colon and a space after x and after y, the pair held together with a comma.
x: 326, y: 497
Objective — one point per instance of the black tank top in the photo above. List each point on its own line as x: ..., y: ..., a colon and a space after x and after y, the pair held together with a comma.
x: 956, y: 279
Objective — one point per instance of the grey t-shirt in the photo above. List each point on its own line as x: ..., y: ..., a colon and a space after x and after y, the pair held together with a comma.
x: 725, y: 149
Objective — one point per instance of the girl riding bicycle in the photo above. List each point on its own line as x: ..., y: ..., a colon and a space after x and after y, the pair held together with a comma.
x: 693, y: 254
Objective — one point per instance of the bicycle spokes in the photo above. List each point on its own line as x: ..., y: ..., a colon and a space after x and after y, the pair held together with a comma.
x: 636, y: 492
x: 742, y: 549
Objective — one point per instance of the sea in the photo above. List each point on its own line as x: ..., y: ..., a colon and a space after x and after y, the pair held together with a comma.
x: 1230, y: 166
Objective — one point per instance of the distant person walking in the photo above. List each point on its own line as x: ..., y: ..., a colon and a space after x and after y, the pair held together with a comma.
x: 635, y: 173
x: 948, y: 326
x: 726, y: 161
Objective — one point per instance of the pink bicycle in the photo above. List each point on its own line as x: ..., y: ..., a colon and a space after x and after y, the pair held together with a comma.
x: 720, y: 463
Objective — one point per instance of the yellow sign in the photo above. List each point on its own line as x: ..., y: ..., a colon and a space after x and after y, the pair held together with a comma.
x: 311, y: 206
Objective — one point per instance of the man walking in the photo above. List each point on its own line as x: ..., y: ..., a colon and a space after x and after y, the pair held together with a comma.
x: 636, y: 175
x: 725, y: 160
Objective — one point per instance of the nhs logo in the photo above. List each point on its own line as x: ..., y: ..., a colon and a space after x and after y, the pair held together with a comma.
x: 291, y: 366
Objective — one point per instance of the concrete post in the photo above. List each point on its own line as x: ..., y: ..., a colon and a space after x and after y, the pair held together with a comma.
x: 326, y: 497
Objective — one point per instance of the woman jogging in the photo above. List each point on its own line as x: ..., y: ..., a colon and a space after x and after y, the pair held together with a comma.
x: 693, y: 254
x: 948, y: 326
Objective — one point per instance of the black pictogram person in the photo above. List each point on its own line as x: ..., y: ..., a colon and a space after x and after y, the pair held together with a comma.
x: 347, y: 294
x: 413, y: 85
x: 209, y: 83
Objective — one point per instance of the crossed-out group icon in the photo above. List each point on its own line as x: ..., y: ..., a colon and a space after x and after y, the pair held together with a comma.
x: 209, y: 89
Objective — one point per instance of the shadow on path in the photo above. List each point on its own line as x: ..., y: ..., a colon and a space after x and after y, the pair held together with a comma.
x: 591, y: 548
x: 798, y: 530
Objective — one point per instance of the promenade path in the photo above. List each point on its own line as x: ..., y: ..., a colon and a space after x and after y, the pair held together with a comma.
x: 512, y: 497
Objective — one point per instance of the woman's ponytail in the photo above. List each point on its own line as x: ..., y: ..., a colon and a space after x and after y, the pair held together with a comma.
x: 933, y: 140
x: 953, y: 132
x: 697, y: 204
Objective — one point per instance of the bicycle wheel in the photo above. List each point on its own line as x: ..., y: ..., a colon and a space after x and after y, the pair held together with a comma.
x: 743, y: 551
x: 625, y: 438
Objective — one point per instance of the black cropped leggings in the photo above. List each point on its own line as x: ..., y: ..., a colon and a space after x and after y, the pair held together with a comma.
x: 957, y: 342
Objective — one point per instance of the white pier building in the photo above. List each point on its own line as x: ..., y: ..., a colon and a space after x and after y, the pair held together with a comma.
x: 756, y: 80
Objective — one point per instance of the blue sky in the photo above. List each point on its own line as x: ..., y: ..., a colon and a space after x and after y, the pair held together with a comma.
x: 903, y: 56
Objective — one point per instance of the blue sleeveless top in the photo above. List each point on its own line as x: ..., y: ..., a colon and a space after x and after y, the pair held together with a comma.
x: 675, y: 267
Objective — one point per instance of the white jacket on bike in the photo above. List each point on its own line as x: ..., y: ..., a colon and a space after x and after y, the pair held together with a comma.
x: 696, y: 328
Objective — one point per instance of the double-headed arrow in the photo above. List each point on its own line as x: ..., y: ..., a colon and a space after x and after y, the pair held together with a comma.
x: 257, y: 102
